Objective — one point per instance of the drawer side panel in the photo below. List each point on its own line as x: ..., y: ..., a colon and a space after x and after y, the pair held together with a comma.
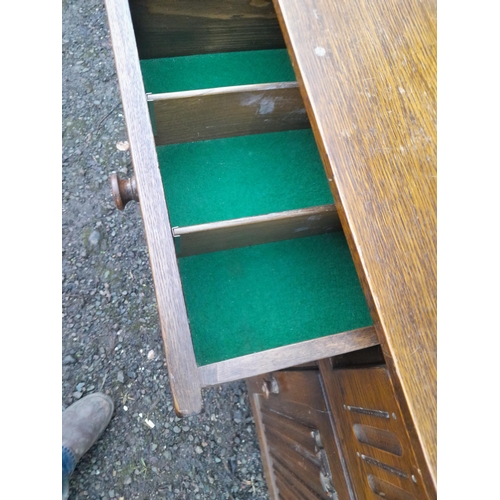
x: 183, y: 373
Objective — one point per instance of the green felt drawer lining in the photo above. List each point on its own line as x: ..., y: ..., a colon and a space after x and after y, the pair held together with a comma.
x: 224, y: 179
x: 255, y: 298
x: 207, y: 71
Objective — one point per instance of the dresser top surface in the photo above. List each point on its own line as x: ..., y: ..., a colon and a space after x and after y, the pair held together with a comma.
x: 367, y: 71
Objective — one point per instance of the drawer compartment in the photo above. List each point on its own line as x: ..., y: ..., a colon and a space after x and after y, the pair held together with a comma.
x: 258, y: 297
x: 244, y: 176
x: 250, y: 299
x: 225, y: 69
x: 251, y: 267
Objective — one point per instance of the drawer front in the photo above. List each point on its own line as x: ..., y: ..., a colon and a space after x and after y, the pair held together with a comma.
x: 374, y: 439
x: 298, y: 447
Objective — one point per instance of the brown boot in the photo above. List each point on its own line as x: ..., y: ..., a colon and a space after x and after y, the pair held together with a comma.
x: 84, y: 421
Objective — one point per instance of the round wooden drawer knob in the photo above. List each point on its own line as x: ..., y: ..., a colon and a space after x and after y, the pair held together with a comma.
x: 124, y: 190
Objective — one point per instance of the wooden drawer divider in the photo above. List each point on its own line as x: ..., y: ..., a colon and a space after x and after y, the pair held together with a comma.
x: 200, y: 115
x: 216, y: 236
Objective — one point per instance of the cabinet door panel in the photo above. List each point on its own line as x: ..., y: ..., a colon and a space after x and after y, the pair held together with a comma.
x: 298, y: 447
x: 373, y: 437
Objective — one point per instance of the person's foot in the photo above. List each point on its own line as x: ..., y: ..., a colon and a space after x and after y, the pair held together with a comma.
x: 84, y: 421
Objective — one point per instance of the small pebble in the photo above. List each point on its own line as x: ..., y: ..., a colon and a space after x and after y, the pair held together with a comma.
x: 68, y: 360
x: 94, y: 237
x: 177, y: 429
x: 199, y: 450
x: 122, y: 146
x: 77, y: 395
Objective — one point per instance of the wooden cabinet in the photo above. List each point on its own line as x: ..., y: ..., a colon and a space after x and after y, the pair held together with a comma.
x: 284, y: 158
x: 334, y: 432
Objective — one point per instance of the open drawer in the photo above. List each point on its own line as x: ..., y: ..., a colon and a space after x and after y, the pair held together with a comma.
x: 251, y: 268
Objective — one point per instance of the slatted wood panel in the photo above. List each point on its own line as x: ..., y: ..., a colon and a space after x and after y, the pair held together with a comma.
x: 297, y: 442
x: 301, y: 468
x: 294, y: 491
x: 375, y: 442
x: 283, y: 426
x: 367, y: 72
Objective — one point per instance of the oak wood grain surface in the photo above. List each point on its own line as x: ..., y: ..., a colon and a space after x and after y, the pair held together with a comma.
x: 290, y: 486
x: 297, y: 433
x: 298, y: 397
x: 367, y: 71
x: 302, y: 469
x: 201, y: 115
x: 286, y: 356
x: 254, y: 389
x: 287, y: 427
x: 284, y: 486
x: 362, y: 399
x: 246, y: 231
x: 183, y: 372
x: 168, y: 28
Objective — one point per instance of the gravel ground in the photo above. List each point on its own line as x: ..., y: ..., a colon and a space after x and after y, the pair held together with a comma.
x: 110, y: 332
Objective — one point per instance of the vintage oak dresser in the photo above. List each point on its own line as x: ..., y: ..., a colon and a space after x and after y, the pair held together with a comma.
x: 294, y: 144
